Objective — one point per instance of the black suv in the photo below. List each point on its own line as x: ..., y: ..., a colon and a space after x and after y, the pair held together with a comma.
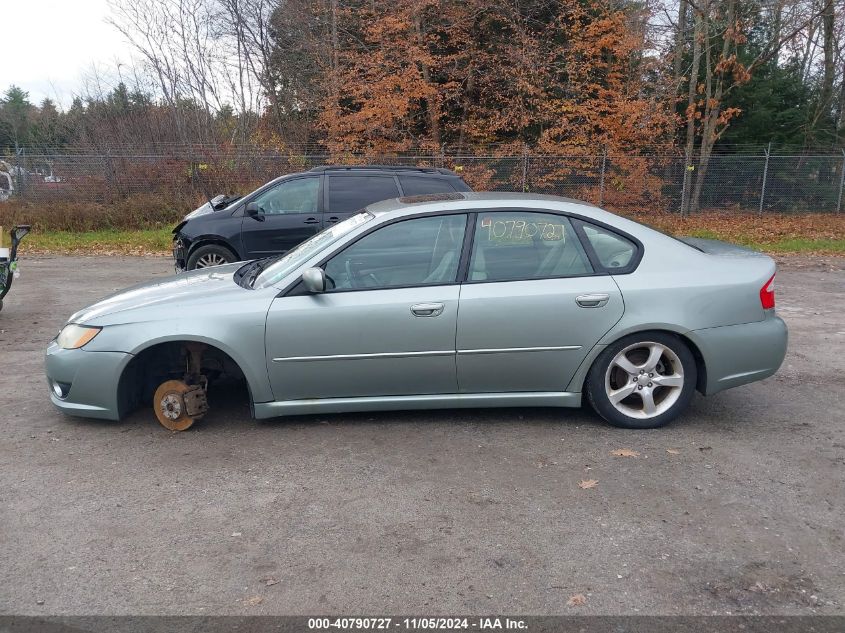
x: 279, y: 215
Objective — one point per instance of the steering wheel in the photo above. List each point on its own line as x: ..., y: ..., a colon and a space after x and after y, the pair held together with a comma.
x: 353, y: 277
x: 350, y: 275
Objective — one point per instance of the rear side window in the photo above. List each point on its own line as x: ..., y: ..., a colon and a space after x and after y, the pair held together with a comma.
x: 518, y: 245
x: 613, y: 251
x: 419, y: 185
x: 351, y: 193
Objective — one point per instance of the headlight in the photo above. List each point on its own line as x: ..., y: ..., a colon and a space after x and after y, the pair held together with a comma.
x: 74, y: 336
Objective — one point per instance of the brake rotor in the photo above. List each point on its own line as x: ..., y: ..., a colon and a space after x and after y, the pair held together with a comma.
x: 175, y: 404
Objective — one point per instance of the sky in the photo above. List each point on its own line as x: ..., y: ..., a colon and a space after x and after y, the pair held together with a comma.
x: 50, y: 45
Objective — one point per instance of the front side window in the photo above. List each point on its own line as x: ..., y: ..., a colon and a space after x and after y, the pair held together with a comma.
x: 292, y: 196
x: 351, y: 193
x: 280, y: 267
x: 418, y: 252
x: 613, y: 251
x: 512, y: 245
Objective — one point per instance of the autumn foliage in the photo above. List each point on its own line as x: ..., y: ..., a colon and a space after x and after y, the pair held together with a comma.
x: 562, y: 77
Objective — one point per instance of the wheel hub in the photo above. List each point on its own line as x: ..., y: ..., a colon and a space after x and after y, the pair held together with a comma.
x: 171, y: 406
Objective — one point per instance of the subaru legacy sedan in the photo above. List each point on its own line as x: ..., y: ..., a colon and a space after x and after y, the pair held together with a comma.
x: 439, y: 301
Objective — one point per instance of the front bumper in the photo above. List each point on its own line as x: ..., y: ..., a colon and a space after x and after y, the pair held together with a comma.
x: 89, y: 381
x: 739, y: 354
x: 180, y: 254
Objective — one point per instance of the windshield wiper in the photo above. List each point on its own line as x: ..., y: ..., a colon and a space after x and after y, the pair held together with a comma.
x: 257, y: 267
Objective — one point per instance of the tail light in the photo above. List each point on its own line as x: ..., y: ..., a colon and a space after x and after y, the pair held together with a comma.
x: 767, y: 294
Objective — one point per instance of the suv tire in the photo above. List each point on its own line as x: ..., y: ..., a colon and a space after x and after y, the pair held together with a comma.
x: 210, y: 255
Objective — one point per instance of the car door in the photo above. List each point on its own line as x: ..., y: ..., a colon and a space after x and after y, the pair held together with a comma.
x: 289, y: 214
x: 346, y: 194
x: 531, y: 307
x: 386, y: 325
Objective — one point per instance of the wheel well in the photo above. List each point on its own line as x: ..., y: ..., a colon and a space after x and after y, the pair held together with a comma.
x: 166, y: 361
x: 209, y: 241
x: 700, y: 366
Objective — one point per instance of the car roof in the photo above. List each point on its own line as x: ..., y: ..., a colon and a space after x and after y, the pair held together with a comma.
x: 480, y: 200
x: 469, y: 201
x: 428, y: 171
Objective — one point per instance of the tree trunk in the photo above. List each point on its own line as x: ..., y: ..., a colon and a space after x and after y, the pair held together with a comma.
x: 431, y: 105
x: 691, y: 107
x: 680, y: 44
x: 713, y: 107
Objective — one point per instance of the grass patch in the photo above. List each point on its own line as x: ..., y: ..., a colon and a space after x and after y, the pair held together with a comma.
x: 797, y: 245
x: 105, y: 242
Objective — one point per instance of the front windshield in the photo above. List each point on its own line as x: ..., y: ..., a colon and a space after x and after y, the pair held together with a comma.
x: 282, y: 267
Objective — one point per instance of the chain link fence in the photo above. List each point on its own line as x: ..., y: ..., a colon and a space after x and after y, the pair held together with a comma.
x: 762, y: 184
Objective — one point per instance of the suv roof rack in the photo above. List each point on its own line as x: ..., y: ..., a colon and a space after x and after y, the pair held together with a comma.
x: 428, y: 170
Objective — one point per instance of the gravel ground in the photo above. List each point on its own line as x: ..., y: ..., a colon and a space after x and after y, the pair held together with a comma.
x: 735, y: 508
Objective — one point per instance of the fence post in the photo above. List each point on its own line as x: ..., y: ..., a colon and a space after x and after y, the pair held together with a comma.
x: 768, y: 151
x: 601, y: 182
x: 841, y: 182
x: 524, y: 167
x: 687, y: 171
x: 20, y: 169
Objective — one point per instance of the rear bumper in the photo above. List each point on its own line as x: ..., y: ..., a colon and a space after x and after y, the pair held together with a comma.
x: 89, y: 381
x: 739, y: 354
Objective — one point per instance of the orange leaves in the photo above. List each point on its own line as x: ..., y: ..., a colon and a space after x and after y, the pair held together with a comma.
x: 420, y: 72
x: 586, y: 484
x: 624, y: 452
x: 578, y: 600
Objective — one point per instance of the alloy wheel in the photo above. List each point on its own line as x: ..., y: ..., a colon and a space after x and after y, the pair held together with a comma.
x: 644, y: 380
x: 211, y: 259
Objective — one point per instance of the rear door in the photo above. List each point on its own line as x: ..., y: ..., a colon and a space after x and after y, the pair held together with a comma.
x: 290, y: 215
x: 531, y: 307
x: 346, y: 194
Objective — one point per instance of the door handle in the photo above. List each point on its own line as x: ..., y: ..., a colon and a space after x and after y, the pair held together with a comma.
x: 333, y: 219
x: 592, y: 300
x: 427, y: 309
x: 312, y: 221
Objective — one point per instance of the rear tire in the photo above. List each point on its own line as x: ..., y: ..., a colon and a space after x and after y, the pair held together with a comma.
x: 210, y: 255
x: 642, y: 381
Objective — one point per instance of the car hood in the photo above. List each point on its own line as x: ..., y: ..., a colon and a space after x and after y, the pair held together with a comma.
x: 176, y: 292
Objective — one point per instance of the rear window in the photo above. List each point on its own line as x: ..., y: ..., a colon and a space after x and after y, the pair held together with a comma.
x: 419, y: 185
x: 350, y: 193
x: 613, y: 251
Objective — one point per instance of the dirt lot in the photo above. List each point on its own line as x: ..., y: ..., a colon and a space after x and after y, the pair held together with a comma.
x: 429, y: 512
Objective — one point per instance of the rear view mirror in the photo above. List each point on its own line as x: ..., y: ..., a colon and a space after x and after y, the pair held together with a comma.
x: 255, y: 211
x: 314, y: 280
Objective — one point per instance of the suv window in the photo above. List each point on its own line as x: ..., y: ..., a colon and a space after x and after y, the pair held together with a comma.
x: 418, y: 252
x: 511, y: 245
x: 351, y: 193
x: 419, y: 185
x: 292, y: 196
x: 613, y: 250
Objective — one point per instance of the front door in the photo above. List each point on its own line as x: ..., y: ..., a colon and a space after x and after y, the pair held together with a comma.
x: 531, y: 309
x: 289, y: 215
x: 386, y: 325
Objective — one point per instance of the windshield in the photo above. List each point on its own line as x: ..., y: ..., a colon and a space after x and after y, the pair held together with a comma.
x: 282, y: 267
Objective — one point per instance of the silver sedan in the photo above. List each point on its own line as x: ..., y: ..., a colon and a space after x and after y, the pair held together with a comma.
x: 442, y: 301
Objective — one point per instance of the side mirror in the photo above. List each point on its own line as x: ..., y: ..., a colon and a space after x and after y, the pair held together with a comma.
x: 253, y: 210
x: 314, y: 280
